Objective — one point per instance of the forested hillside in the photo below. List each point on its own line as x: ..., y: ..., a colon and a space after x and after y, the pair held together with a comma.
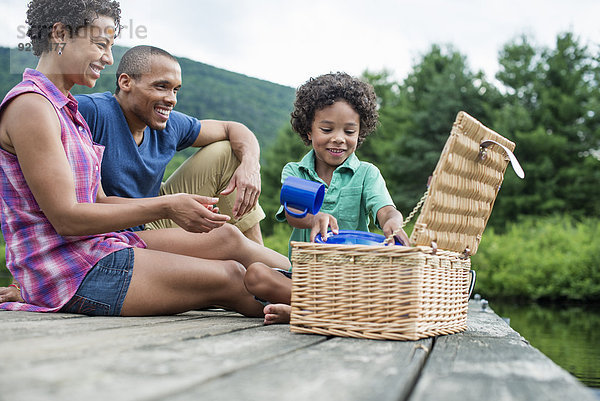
x: 207, y: 92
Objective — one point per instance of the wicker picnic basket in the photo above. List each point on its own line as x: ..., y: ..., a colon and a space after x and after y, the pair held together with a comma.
x: 402, y: 292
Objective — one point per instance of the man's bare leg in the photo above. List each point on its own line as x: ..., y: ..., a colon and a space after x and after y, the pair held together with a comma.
x: 223, y: 243
x: 254, y: 234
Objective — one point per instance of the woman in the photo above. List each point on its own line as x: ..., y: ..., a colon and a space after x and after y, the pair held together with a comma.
x: 60, y: 228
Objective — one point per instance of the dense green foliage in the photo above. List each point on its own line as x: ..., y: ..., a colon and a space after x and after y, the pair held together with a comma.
x: 207, y: 92
x: 4, y: 274
x: 553, y: 258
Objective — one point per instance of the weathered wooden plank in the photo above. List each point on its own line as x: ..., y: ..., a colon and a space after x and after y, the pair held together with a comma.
x: 140, y: 362
x: 27, y: 324
x: 338, y: 369
x: 82, y: 342
x: 220, y: 355
x: 492, y: 361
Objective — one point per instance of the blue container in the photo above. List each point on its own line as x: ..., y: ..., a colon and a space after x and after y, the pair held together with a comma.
x: 352, y: 237
x: 301, y: 194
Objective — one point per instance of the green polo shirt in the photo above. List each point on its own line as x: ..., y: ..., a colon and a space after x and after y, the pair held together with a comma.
x: 357, y: 190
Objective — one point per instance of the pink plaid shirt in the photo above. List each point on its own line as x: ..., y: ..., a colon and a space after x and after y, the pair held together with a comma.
x: 50, y: 267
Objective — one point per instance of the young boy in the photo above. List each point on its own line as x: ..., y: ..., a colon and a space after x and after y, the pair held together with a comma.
x: 334, y: 113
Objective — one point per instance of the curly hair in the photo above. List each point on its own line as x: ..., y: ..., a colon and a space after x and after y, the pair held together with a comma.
x: 74, y: 14
x: 318, y: 93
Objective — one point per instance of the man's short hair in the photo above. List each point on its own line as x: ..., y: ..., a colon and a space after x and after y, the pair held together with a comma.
x: 137, y: 61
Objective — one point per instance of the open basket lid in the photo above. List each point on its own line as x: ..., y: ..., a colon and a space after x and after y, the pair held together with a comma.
x: 463, y: 187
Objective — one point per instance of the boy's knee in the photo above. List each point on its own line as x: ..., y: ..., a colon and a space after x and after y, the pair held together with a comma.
x: 254, y: 276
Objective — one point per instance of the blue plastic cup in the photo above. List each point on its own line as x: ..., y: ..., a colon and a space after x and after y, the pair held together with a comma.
x: 301, y: 194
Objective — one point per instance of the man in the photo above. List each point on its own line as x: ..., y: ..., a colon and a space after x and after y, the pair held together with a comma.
x: 141, y: 132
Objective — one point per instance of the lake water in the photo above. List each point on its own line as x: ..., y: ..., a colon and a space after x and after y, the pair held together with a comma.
x: 568, y: 334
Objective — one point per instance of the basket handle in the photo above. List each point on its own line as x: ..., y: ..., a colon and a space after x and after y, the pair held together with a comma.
x: 511, y: 156
x: 472, y: 282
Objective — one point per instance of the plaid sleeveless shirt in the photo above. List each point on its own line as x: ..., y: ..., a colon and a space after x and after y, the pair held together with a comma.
x: 50, y: 267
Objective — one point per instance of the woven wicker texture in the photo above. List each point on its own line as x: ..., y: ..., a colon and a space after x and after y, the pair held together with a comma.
x: 407, y: 293
x: 463, y: 188
x: 398, y: 293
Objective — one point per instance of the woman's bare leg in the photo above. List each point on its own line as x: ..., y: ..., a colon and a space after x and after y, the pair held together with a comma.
x: 166, y: 283
x: 223, y: 243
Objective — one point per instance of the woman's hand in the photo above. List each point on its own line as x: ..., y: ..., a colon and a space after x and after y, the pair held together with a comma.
x: 195, y: 213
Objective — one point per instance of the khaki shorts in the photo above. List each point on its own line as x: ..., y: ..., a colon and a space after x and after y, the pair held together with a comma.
x: 208, y: 173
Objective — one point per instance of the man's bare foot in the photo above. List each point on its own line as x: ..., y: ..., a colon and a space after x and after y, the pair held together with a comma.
x: 277, y: 313
x: 10, y: 294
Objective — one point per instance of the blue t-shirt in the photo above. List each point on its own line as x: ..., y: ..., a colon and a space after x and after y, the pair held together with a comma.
x: 129, y: 170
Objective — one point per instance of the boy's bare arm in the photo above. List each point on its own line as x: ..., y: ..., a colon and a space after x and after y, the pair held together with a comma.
x: 390, y: 220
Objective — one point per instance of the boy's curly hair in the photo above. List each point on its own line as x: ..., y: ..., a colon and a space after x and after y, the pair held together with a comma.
x: 74, y: 14
x: 318, y: 93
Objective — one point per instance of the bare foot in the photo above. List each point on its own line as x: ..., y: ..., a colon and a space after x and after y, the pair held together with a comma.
x: 277, y: 313
x: 10, y: 294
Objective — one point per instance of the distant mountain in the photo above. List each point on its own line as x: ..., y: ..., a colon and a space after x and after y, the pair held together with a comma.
x: 207, y: 92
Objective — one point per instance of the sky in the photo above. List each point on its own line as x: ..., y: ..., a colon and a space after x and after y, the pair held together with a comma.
x: 288, y: 41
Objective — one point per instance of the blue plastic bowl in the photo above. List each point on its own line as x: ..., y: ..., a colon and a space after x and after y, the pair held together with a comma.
x: 352, y: 237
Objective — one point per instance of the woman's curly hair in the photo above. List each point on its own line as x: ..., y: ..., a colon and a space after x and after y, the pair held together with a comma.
x: 74, y: 14
x: 318, y: 93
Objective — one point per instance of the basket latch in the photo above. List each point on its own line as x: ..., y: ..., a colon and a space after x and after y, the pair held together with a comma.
x: 511, y: 156
x: 466, y: 253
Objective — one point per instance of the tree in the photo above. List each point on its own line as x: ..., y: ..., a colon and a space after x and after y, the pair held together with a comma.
x: 416, y: 125
x: 551, y: 109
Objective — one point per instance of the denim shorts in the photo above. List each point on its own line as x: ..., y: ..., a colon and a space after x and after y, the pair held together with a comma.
x: 104, y: 287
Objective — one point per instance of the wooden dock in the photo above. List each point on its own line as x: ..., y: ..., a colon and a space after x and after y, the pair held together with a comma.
x: 217, y: 355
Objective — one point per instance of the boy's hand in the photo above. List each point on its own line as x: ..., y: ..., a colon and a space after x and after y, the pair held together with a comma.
x: 394, y: 224
x: 321, y: 222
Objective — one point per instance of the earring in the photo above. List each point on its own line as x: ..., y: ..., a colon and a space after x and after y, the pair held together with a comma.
x: 60, y: 52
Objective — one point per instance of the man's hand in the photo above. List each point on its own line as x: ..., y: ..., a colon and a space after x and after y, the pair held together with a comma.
x: 195, y: 213
x: 246, y: 179
x: 10, y: 294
